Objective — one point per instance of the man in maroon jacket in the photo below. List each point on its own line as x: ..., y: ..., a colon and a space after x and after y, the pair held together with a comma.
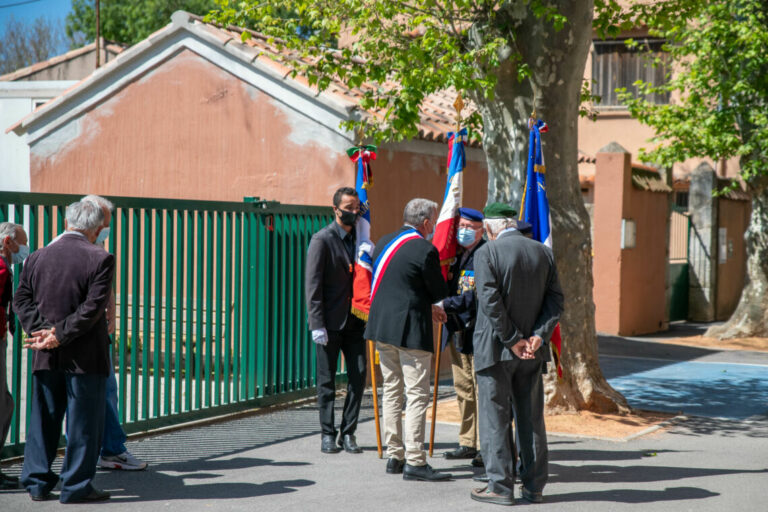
x: 13, y: 249
x: 61, y: 303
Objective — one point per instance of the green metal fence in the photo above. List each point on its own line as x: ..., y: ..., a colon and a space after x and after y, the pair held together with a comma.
x: 210, y: 305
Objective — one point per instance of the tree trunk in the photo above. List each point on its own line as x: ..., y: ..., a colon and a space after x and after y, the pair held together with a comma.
x: 557, y: 61
x: 751, y: 315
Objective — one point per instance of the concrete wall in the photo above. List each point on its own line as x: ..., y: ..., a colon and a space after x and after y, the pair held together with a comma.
x: 630, y: 282
x: 189, y: 129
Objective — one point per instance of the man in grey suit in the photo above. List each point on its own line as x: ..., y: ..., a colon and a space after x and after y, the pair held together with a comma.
x: 328, y: 281
x: 519, y: 304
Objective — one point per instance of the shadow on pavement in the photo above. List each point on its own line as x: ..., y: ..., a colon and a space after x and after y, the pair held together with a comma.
x: 633, y: 495
x: 605, y: 474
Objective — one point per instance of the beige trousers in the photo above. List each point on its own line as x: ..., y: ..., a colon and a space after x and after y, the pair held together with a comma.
x: 405, y: 369
x: 463, y: 366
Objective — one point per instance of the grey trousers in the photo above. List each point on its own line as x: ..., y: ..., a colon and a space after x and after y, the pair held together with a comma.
x: 6, y: 400
x: 518, y: 381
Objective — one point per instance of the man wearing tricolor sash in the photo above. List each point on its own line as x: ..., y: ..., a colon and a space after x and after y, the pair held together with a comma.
x: 407, y: 281
x: 329, y: 283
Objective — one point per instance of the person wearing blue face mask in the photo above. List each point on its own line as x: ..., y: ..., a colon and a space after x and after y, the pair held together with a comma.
x: 13, y: 250
x: 114, y: 454
x: 461, y: 311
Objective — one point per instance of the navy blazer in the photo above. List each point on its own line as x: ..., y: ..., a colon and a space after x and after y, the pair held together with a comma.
x: 461, y: 305
x: 67, y: 285
x: 401, y: 311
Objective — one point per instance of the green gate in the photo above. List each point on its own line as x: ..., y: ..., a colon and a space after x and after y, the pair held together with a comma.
x: 679, y: 236
x: 210, y: 305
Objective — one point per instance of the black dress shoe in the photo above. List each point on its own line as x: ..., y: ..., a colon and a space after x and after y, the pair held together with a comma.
x: 424, y: 473
x: 44, y: 497
x: 477, y: 461
x: 485, y: 495
x: 349, y: 443
x: 462, y: 452
x: 95, y: 495
x: 482, y: 477
x: 531, y: 496
x: 394, y: 466
x: 8, y: 482
x: 328, y: 444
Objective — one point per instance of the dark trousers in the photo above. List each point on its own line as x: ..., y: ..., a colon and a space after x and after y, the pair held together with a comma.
x: 517, y: 383
x: 81, y: 398
x: 350, y: 342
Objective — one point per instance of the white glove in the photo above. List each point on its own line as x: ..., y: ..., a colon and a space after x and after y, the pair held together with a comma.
x: 320, y: 336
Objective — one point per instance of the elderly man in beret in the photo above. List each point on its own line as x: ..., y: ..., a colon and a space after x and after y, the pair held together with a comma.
x: 461, y: 311
x: 519, y: 304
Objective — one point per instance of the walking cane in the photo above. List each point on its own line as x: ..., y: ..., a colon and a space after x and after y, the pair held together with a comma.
x: 372, y: 348
x: 434, y: 393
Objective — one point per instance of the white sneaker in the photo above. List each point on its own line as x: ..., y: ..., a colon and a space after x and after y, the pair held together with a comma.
x: 124, y: 461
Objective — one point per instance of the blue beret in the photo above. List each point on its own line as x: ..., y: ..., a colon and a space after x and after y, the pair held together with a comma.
x: 471, y: 214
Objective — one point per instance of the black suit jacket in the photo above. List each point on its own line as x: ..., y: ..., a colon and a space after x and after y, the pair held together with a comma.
x: 401, y: 311
x: 328, y: 281
x: 461, y: 304
x: 67, y: 285
x: 518, y: 295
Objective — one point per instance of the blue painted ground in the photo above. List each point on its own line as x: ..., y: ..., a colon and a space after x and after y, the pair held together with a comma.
x: 712, y: 389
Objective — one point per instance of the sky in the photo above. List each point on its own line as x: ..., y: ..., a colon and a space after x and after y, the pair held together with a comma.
x: 53, y: 9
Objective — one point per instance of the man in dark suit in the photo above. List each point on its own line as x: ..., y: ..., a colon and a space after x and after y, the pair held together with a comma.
x: 61, y: 302
x: 406, y: 283
x: 519, y: 305
x: 13, y: 249
x: 461, y: 310
x: 328, y: 281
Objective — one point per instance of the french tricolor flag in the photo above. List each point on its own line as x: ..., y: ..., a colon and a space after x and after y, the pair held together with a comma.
x: 361, y: 285
x: 445, y: 231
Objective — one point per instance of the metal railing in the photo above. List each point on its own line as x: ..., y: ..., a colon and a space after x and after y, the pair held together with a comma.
x: 210, y: 305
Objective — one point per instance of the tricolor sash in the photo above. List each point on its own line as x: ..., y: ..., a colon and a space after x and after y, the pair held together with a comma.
x: 382, y: 262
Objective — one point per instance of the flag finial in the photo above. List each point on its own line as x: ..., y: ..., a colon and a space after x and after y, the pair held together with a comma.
x: 459, y: 106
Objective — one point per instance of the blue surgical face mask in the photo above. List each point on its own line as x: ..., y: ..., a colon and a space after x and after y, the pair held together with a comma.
x: 19, y: 257
x: 466, y: 237
x: 103, y: 235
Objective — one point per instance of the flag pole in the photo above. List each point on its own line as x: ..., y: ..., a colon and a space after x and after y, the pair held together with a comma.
x: 374, y: 389
x: 458, y: 105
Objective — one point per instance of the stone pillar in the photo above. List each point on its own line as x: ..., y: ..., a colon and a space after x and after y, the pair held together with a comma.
x: 613, y: 181
x: 702, y: 246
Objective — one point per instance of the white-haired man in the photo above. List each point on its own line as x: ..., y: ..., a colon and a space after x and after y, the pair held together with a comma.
x: 519, y: 303
x: 61, y: 303
x: 406, y: 283
x: 114, y: 454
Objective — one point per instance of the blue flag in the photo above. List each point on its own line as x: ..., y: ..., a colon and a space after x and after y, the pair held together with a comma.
x: 535, y: 207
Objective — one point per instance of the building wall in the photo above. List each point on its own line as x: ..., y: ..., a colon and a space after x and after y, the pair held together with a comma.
x: 75, y: 68
x: 219, y: 138
x: 629, y: 283
x: 643, y: 268
x: 17, y: 100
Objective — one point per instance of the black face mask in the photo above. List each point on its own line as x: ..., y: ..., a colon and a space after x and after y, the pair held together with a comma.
x: 348, y: 218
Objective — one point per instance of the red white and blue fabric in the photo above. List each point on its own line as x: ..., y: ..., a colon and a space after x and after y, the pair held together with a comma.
x: 363, y: 271
x: 389, y: 251
x: 535, y: 210
x: 445, y: 231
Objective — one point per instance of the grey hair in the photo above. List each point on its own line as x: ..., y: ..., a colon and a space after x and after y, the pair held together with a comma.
x: 101, y: 201
x: 85, y: 216
x: 497, y: 225
x: 9, y: 229
x: 419, y: 209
